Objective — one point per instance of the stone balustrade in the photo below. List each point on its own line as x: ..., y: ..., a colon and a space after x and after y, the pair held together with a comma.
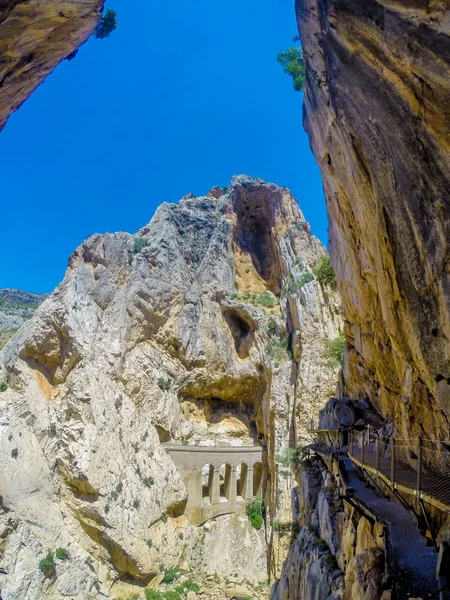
x: 219, y: 479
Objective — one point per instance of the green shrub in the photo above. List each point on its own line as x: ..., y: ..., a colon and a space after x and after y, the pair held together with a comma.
x: 271, y: 328
x: 164, y: 384
x: 324, y: 272
x: 107, y: 24
x: 46, y: 565
x: 312, y: 529
x: 149, y: 543
x: 264, y: 299
x: 267, y: 299
x: 14, y: 453
x: 164, y: 517
x: 148, y: 481
x: 139, y: 244
x: 172, y: 595
x: 61, y: 553
x: 255, y: 512
x: 329, y: 560
x: 3, y: 386
x: 188, y: 585
x: 294, y: 65
x: 278, y: 350
x: 334, y: 351
x: 296, y: 284
x: 115, y: 493
x: 170, y: 575
x: 136, y: 503
x: 291, y: 458
x: 153, y: 595
x: 277, y: 525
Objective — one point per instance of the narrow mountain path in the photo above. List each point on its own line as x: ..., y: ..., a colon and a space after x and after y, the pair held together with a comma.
x: 413, y: 563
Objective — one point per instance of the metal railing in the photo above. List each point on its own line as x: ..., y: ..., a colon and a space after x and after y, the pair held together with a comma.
x: 420, y: 465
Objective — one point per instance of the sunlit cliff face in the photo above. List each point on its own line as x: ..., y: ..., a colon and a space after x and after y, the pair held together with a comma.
x: 184, y: 333
x: 377, y: 114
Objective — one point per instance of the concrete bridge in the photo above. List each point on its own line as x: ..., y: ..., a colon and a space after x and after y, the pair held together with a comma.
x: 219, y: 479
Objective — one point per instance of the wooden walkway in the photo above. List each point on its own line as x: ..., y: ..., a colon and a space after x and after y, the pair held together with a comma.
x: 412, y: 563
x: 420, y: 468
x: 412, y: 468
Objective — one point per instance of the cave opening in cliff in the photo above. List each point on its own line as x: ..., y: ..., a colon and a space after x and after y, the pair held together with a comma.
x: 242, y: 331
x: 215, y: 418
x: 253, y: 234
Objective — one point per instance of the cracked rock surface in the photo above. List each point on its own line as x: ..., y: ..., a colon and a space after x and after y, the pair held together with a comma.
x: 199, y: 329
x: 377, y: 112
x: 35, y: 36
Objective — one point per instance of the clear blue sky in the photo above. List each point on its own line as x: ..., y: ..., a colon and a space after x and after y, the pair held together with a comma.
x: 181, y: 97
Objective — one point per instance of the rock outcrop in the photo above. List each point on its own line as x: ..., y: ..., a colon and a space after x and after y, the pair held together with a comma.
x: 35, y: 36
x: 206, y: 327
x: 16, y: 307
x: 377, y: 111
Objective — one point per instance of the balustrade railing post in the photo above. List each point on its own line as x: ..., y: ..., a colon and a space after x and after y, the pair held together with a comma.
x: 377, y: 447
x: 362, y: 446
x: 393, y: 461
x: 419, y: 466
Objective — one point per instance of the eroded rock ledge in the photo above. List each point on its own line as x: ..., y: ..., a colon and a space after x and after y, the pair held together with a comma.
x: 35, y: 36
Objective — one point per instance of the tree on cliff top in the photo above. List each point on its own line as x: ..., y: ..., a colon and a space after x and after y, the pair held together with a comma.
x: 293, y: 64
x: 106, y: 25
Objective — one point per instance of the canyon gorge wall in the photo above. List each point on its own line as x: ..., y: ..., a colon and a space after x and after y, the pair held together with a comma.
x: 207, y: 327
x: 35, y: 36
x: 377, y: 112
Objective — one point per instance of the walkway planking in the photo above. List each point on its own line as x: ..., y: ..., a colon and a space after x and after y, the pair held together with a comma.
x: 413, y: 563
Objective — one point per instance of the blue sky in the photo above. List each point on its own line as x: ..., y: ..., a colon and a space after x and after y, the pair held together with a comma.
x: 181, y: 97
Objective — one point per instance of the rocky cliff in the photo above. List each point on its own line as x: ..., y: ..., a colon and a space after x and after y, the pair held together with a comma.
x: 377, y: 111
x: 207, y: 327
x: 35, y: 36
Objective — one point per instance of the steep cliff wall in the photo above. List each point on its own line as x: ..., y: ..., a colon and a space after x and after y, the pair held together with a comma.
x: 339, y: 554
x: 35, y: 36
x: 206, y: 327
x: 377, y: 111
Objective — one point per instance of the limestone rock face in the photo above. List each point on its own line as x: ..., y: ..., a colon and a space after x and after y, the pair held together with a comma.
x: 206, y: 327
x: 377, y: 111
x: 35, y: 36
x: 338, y: 554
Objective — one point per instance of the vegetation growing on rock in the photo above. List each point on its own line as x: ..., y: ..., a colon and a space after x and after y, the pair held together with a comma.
x: 171, y: 575
x: 324, y: 272
x: 264, y: 299
x: 278, y: 349
x: 139, y: 244
x: 255, y: 512
x: 293, y: 64
x: 334, y: 351
x: 47, y: 565
x: 61, y: 554
x: 107, y: 24
x: 164, y: 384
